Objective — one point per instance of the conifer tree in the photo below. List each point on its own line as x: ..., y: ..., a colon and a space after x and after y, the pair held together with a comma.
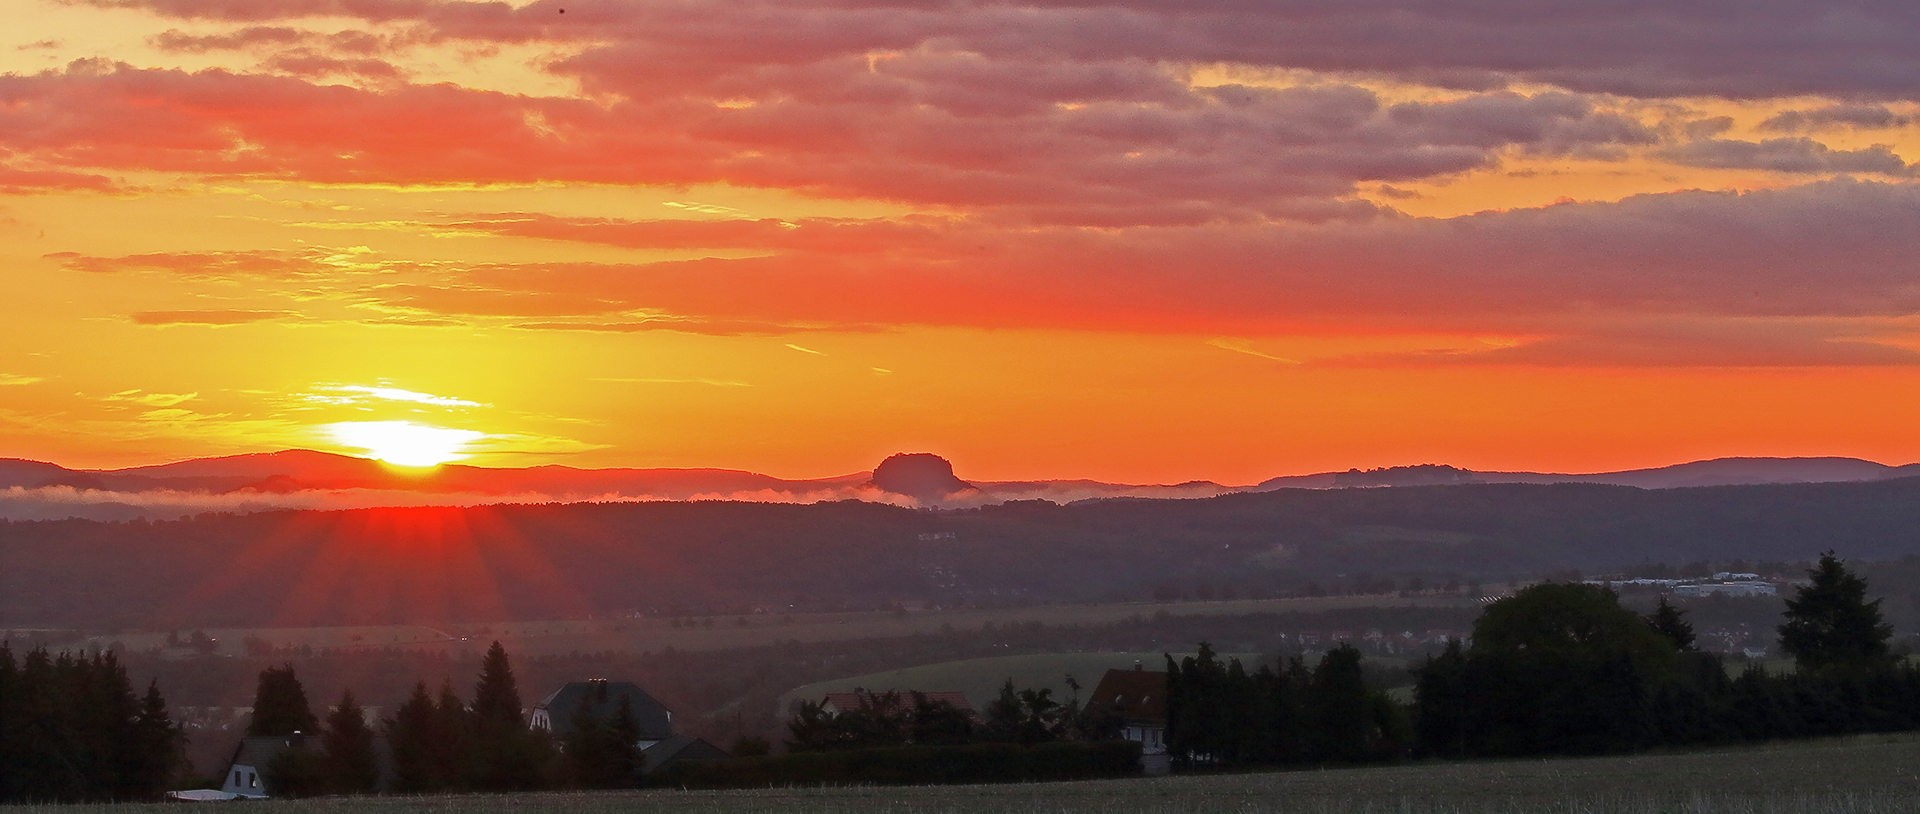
x: 1672, y: 623
x: 1830, y: 623
x: 348, y: 764
x: 410, y: 735
x: 10, y: 722
x: 603, y: 754
x: 451, y: 741
x: 280, y: 704
x: 496, y: 698
x: 153, y: 755
x: 507, y: 756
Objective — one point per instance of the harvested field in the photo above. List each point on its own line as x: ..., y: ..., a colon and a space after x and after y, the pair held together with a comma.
x: 1863, y: 775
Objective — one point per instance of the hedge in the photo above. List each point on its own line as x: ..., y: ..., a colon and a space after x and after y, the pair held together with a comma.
x: 912, y: 765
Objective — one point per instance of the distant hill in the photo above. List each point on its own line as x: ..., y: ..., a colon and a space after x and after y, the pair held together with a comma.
x: 305, y: 479
x: 1715, y: 472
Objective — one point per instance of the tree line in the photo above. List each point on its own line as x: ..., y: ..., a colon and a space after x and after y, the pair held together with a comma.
x: 1557, y: 669
x: 1564, y: 669
x: 72, y: 730
x: 1220, y: 714
x: 441, y: 744
x: 889, y: 719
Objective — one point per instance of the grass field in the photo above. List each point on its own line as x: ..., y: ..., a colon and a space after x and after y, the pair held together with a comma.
x: 537, y: 638
x: 1862, y: 775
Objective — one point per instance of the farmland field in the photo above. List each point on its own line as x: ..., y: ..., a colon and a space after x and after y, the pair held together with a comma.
x: 1867, y: 775
x: 536, y: 638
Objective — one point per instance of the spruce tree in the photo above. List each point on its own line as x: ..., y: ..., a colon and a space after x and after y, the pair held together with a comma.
x: 603, y: 754
x: 507, y: 756
x: 348, y: 765
x: 451, y: 742
x: 410, y: 735
x: 153, y: 755
x: 496, y: 698
x: 280, y: 704
x: 1672, y: 623
x: 10, y: 712
x: 1830, y: 623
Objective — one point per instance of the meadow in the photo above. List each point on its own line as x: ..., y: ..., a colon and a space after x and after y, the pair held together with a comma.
x: 1858, y: 775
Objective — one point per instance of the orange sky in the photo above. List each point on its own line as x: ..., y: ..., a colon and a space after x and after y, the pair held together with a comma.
x: 1133, y: 241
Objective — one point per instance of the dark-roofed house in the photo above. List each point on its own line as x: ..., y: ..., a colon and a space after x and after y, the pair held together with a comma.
x: 555, y: 712
x: 658, y: 745
x: 1136, y: 700
x: 679, y: 749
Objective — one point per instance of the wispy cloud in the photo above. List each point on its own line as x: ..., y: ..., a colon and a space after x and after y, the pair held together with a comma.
x: 712, y: 382
x: 152, y: 399
x: 361, y: 393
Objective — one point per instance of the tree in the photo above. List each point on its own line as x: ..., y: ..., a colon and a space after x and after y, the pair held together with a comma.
x: 1562, y: 667
x: 937, y: 722
x: 280, y: 704
x: 410, y: 734
x: 603, y: 754
x: 1026, y: 716
x: 1672, y: 623
x: 153, y: 754
x: 1830, y: 623
x: 348, y: 764
x: 1338, y: 708
x: 507, y: 755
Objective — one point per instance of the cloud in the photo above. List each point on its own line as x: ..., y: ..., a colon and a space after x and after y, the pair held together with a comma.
x: 152, y: 399
x: 361, y: 394
x: 177, y: 41
x: 210, y: 317
x: 693, y: 325
x: 1102, y: 148
x: 217, y: 264
x: 1644, y: 48
x: 1675, y: 343
x: 710, y: 382
x: 1791, y: 155
x: 1836, y: 117
x: 15, y: 181
x: 12, y: 380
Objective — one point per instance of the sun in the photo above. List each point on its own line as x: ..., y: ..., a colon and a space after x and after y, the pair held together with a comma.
x: 404, y: 443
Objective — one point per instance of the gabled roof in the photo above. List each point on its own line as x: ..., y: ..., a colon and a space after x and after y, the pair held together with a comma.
x: 679, y: 748
x: 603, y: 701
x: 259, y: 750
x: 848, y: 701
x: 1131, y: 695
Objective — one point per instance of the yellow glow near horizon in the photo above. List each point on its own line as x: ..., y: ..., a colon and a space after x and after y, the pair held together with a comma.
x: 404, y: 443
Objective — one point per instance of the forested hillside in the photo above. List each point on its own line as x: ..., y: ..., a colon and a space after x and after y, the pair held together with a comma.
x: 548, y: 561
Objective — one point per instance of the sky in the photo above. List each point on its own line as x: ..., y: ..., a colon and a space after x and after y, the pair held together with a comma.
x: 1134, y: 241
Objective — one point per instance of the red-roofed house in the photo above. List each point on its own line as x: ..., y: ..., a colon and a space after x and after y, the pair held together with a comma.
x: 1137, y: 700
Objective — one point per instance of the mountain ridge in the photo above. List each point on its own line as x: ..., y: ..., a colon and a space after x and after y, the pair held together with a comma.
x: 299, y: 478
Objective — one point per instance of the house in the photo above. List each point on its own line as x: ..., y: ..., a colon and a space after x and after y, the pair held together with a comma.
x: 679, y: 749
x: 659, y: 746
x: 1136, y: 700
x: 1745, y: 588
x: 555, y: 712
x: 246, y: 776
